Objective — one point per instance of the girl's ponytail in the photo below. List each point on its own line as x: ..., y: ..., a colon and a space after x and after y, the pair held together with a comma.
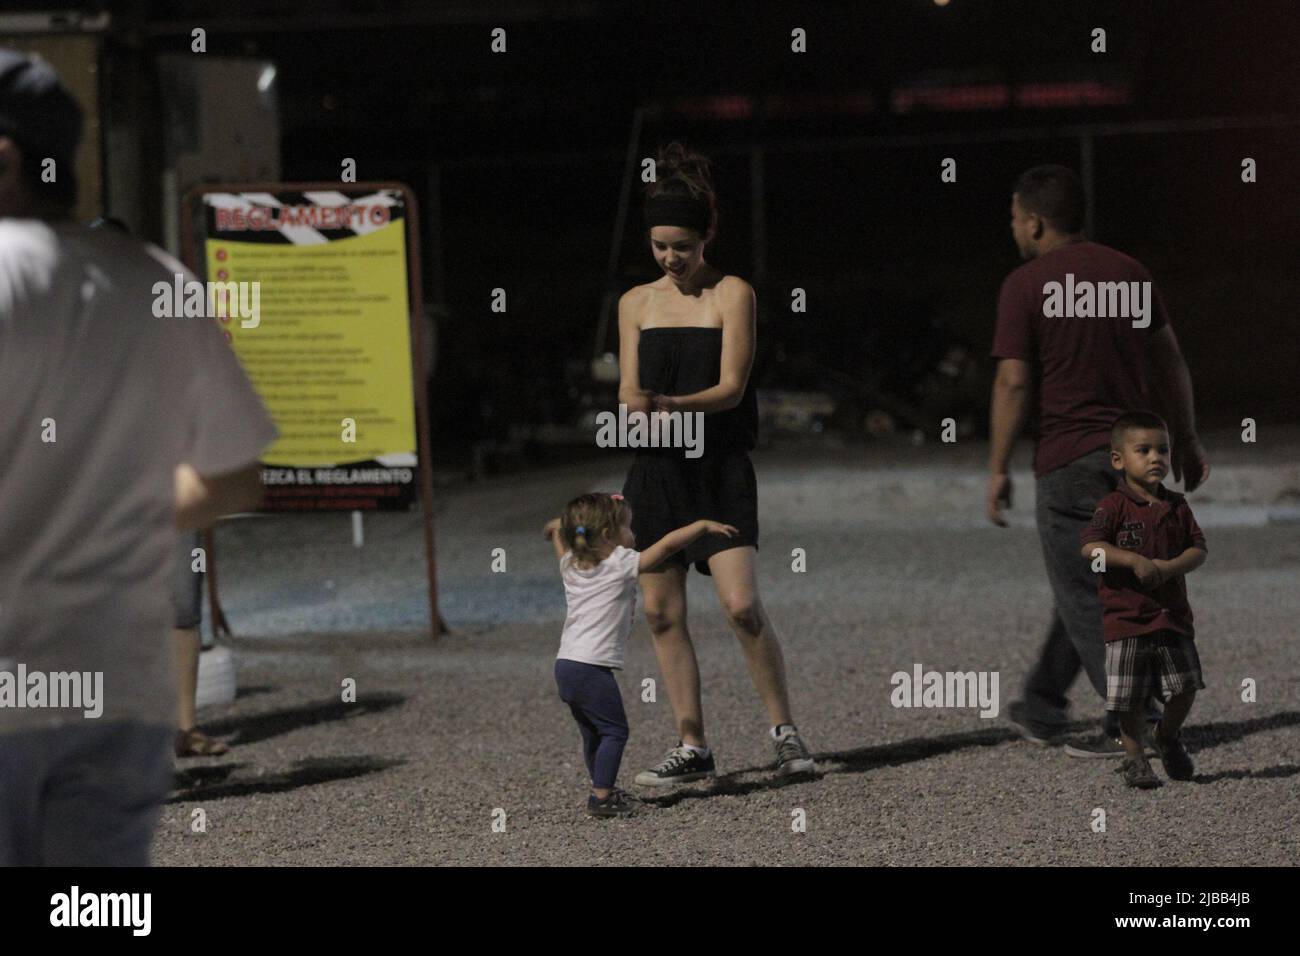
x: 589, y: 518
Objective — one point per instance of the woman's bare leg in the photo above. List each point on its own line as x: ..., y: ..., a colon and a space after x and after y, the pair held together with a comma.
x: 186, y: 642
x: 737, y: 584
x: 664, y: 591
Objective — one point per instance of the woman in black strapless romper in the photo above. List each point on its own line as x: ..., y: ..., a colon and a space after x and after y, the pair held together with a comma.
x: 668, y: 490
x: 686, y: 344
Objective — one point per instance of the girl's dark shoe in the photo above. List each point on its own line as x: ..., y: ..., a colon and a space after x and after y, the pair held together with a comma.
x: 615, y: 805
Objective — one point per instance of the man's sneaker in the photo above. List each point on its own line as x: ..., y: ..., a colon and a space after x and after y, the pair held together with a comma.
x: 1037, y: 734
x: 1173, y: 755
x: 1101, y: 746
x: 1137, y: 772
x: 616, y: 804
x: 791, y: 755
x: 682, y: 765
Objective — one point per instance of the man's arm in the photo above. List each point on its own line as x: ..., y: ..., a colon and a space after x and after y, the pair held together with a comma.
x: 1171, y: 393
x: 1009, y: 408
x: 199, y: 500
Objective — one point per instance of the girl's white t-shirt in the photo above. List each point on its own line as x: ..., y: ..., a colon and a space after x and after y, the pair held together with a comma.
x: 602, y: 604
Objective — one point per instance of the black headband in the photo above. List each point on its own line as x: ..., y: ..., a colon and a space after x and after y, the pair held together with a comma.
x: 666, y: 209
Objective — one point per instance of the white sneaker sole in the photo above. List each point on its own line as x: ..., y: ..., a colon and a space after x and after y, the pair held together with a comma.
x: 796, y: 766
x: 648, y: 778
x: 1073, y: 751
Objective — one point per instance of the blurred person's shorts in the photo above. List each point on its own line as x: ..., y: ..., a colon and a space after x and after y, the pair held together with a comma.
x: 187, y: 584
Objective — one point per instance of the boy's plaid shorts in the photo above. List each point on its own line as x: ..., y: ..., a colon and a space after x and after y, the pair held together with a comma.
x: 1162, y: 664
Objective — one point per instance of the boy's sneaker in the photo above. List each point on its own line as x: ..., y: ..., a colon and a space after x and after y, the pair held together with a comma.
x: 1173, y: 756
x: 616, y: 804
x: 1037, y: 734
x: 682, y: 765
x: 1137, y: 772
x: 791, y: 755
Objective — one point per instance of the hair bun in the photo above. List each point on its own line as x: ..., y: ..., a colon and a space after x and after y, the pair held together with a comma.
x: 677, y: 160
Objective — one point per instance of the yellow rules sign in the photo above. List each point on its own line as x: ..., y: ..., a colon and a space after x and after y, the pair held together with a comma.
x: 323, y: 329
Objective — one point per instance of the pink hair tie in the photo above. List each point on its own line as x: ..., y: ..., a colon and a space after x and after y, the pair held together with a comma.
x: 616, y: 497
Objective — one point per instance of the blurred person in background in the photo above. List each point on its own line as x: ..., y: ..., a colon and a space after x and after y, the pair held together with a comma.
x: 118, y: 428
x: 187, y: 605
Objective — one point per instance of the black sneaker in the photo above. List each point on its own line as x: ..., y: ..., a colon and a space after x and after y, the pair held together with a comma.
x: 1173, y: 755
x: 682, y: 765
x: 1038, y: 734
x: 1137, y: 772
x: 1093, y: 748
x: 616, y: 804
x: 792, y: 756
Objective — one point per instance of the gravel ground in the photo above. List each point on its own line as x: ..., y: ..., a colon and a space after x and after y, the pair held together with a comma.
x: 901, y: 570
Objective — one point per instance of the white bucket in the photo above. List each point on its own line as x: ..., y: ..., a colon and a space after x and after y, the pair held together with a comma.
x: 217, y: 683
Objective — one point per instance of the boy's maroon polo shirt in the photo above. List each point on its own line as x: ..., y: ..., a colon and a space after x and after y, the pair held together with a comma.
x: 1161, y: 529
x: 1087, y: 370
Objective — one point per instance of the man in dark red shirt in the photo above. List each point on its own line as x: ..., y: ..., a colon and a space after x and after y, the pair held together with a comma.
x: 1081, y: 337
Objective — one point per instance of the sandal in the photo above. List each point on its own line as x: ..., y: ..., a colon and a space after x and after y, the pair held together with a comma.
x: 195, y: 743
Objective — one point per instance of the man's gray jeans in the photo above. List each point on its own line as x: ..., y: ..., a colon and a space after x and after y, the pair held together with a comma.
x: 1067, y: 497
x: 83, y: 795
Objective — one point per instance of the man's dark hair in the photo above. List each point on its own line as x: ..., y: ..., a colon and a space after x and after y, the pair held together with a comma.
x: 1130, y: 420
x: 1054, y: 194
x: 45, y: 121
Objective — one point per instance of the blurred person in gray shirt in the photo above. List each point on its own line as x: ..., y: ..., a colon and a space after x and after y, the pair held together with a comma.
x: 117, y: 429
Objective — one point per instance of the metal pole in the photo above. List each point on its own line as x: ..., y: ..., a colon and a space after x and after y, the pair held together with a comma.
x: 620, y: 224
x: 433, y: 196
x: 758, y: 212
x: 850, y: 143
x: 1087, y: 174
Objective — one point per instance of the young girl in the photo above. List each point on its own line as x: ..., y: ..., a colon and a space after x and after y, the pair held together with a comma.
x: 599, y: 565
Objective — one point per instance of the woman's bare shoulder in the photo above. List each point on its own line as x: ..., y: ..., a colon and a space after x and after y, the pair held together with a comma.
x: 635, y: 296
x: 734, y: 285
x: 732, y: 288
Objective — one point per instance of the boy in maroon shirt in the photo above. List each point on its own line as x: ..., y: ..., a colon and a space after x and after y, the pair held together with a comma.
x: 1150, y: 541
